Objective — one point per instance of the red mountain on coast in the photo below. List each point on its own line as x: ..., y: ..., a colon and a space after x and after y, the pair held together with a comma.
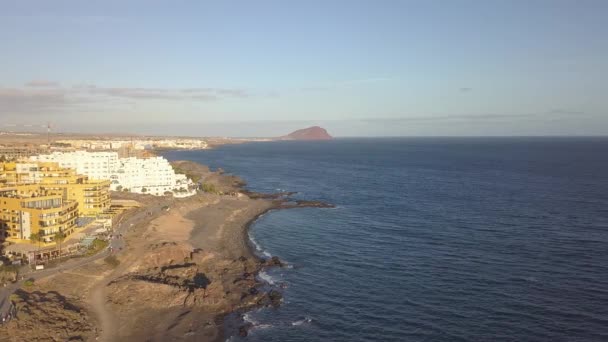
x: 311, y: 133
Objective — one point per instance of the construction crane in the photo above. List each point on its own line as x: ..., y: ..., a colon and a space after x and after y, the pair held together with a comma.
x: 48, y: 135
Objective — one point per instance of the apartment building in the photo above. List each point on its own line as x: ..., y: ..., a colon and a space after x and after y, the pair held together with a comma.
x: 91, y: 195
x: 18, y: 152
x: 153, y: 175
x: 97, y: 165
x: 29, y: 209
x: 138, y: 144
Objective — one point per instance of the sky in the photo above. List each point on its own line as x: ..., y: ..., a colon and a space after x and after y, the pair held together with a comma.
x: 265, y: 68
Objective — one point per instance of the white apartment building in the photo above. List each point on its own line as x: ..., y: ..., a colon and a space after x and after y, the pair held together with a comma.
x: 138, y: 144
x: 151, y: 175
x: 154, y: 176
x: 98, y: 165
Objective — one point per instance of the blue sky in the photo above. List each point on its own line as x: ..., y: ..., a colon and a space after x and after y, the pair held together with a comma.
x: 263, y: 68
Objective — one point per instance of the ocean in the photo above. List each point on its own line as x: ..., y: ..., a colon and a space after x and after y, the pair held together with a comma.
x: 432, y: 239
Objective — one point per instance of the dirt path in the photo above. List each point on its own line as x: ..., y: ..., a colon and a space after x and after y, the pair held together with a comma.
x: 104, y: 318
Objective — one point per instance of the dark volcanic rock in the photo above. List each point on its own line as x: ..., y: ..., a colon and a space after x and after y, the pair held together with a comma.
x: 275, y: 297
x: 47, y: 316
x: 275, y: 261
x: 272, y: 298
x: 258, y: 195
x: 306, y: 204
x: 244, y: 330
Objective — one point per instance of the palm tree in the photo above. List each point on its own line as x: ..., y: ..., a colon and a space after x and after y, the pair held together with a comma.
x: 59, y: 237
x: 36, y: 237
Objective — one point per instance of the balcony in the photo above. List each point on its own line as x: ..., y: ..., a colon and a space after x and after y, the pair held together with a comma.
x: 56, y: 224
x: 51, y: 230
x: 99, y: 194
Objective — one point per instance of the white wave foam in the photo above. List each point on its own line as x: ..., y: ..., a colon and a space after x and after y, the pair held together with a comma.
x: 255, y: 243
x: 266, y: 277
x: 301, y: 321
x: 247, y: 318
x: 258, y: 247
x: 255, y: 324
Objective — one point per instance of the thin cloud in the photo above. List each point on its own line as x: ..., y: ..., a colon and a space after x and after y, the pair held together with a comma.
x: 195, y: 94
x: 477, y: 117
x: 227, y: 92
x: 42, y: 84
x: 364, y: 80
x: 69, y: 19
x: 202, y: 97
x: 345, y: 83
x: 196, y: 90
x: 440, y: 118
x: 19, y: 100
x: 232, y: 92
x: 37, y: 96
x: 562, y: 111
x: 133, y: 93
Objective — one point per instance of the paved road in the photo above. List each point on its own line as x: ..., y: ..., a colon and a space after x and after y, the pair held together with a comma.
x: 116, y: 244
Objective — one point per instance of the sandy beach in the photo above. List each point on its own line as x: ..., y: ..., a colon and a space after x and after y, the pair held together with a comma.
x: 186, y: 264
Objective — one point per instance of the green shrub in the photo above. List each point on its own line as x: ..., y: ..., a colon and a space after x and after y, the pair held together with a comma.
x: 210, y: 188
x: 97, y: 246
x: 195, y: 178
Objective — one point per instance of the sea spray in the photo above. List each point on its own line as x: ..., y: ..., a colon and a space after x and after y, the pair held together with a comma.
x: 259, y: 248
x: 301, y: 321
x: 267, y: 278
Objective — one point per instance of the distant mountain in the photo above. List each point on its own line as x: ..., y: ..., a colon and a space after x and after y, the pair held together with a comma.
x: 311, y: 133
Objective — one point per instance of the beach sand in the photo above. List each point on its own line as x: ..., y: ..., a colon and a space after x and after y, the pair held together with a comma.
x: 148, y: 305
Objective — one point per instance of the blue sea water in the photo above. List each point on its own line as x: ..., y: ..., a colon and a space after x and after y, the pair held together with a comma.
x: 433, y: 239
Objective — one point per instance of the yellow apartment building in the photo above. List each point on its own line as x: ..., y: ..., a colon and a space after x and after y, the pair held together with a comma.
x: 92, y: 196
x: 28, y: 209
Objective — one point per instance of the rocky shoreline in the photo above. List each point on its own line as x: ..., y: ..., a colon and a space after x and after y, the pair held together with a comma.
x: 224, y: 258
x: 273, y: 296
x: 188, y: 272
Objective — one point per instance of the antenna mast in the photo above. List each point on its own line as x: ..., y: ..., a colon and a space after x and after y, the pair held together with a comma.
x: 48, y: 136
